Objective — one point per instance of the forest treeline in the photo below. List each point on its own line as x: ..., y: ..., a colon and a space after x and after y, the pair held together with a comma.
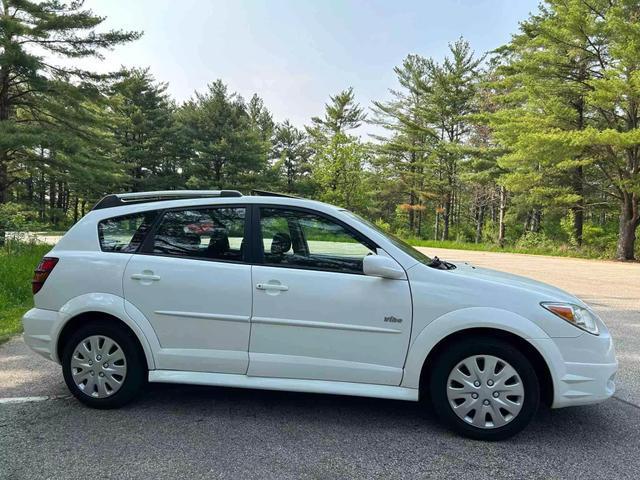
x: 534, y: 143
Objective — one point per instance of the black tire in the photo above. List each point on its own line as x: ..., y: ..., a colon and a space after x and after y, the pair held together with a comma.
x: 136, y: 365
x: 456, y: 353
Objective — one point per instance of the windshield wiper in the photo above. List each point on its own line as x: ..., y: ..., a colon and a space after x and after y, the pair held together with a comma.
x: 441, y: 264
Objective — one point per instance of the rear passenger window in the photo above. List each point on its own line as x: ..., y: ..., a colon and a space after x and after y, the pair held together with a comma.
x: 126, y: 233
x: 213, y: 233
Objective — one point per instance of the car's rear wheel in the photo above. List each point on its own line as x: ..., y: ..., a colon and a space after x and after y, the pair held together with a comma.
x: 103, y: 365
x: 484, y: 388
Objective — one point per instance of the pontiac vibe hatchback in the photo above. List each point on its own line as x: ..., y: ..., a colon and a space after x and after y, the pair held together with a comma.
x: 271, y: 292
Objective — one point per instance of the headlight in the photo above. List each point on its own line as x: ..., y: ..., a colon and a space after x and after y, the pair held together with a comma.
x: 578, y: 316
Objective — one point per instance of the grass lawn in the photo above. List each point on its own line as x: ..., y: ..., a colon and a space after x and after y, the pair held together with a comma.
x: 553, y: 250
x: 17, y: 262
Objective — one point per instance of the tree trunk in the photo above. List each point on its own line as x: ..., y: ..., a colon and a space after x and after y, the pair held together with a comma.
x: 629, y: 221
x: 217, y: 171
x: 527, y: 223
x: 29, y: 185
x: 412, y: 196
x: 52, y: 200
x: 502, y: 210
x: 412, y: 213
x: 3, y: 195
x: 446, y: 216
x: 41, y: 196
x: 577, y: 177
x: 60, y: 199
x: 4, y: 180
x: 578, y: 210
x: 75, y: 209
x: 290, y: 178
x: 536, y: 218
x: 479, y: 223
x: 4, y: 116
x: 67, y: 198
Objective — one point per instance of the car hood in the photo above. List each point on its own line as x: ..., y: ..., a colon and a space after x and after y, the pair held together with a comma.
x: 545, y: 291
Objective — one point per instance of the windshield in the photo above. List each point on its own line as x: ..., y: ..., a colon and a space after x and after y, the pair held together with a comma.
x: 401, y: 244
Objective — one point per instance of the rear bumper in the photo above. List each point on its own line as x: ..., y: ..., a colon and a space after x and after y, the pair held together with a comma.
x: 38, y: 327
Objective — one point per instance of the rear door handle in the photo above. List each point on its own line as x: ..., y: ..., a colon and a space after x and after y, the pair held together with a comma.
x: 272, y: 286
x: 145, y: 277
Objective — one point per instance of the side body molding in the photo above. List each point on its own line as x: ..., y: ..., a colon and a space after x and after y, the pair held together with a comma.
x: 113, y: 305
x: 464, y: 319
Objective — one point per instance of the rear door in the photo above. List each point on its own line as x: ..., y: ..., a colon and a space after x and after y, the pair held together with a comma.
x: 192, y: 283
x: 315, y: 314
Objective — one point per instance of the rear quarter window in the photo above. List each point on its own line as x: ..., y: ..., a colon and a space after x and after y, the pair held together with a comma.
x: 125, y: 233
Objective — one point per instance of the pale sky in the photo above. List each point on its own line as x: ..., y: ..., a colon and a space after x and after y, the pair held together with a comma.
x: 295, y: 54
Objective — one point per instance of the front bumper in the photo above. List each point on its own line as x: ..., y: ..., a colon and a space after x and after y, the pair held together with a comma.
x: 38, y: 327
x: 583, y: 368
x: 586, y: 384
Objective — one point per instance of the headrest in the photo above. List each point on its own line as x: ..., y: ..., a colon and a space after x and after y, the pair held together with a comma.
x: 281, y: 243
x: 219, y: 242
x: 190, y: 238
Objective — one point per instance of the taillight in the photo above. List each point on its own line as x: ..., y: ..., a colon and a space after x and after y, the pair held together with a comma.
x: 42, y: 271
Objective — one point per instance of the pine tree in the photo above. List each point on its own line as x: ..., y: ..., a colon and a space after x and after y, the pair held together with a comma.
x: 44, y: 104
x: 547, y: 69
x: 341, y: 114
x: 260, y: 118
x: 404, y: 156
x: 448, y: 93
x: 482, y: 172
x: 338, y: 171
x: 614, y: 139
x: 292, y: 156
x: 227, y: 151
x: 338, y: 156
x: 145, y: 131
x: 571, y: 108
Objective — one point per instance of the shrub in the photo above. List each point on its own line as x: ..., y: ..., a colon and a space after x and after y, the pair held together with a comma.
x: 566, y: 225
x: 534, y: 240
x: 381, y: 224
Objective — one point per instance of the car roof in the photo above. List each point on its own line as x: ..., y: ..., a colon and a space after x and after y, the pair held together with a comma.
x: 129, y: 208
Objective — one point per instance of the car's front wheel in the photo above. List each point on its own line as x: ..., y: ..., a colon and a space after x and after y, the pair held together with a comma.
x: 102, y: 365
x: 484, y: 388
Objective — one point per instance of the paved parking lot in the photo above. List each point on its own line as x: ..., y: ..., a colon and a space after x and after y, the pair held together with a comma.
x: 197, y: 432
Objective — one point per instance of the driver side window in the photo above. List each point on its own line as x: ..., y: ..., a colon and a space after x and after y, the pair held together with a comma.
x: 299, y: 239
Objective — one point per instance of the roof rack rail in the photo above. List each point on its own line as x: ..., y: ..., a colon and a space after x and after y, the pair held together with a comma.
x: 266, y: 193
x: 119, y: 199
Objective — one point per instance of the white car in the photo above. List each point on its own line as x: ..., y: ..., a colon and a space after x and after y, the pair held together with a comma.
x: 273, y: 292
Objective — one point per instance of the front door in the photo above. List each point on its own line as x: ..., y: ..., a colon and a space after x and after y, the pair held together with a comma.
x: 315, y: 314
x: 192, y: 284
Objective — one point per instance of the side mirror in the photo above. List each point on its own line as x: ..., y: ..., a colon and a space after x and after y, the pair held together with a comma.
x: 379, y: 266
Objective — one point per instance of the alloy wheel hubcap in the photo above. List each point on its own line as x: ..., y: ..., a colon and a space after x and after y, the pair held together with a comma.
x: 98, y: 366
x: 485, y: 391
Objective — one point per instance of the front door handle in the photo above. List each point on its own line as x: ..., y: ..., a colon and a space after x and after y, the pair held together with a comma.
x: 146, y: 277
x: 272, y: 286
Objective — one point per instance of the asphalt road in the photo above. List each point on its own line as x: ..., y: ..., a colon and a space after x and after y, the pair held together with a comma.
x: 198, y: 432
